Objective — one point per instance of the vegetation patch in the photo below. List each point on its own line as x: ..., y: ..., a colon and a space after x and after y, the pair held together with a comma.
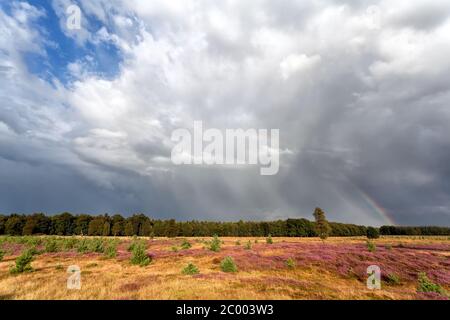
x: 23, y: 262
x: 228, y: 265
x: 190, y: 269
x: 139, y: 256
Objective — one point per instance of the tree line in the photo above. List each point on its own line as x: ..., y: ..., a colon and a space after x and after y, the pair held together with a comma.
x: 66, y: 224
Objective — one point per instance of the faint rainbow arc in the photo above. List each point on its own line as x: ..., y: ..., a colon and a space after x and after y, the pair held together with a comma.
x: 376, y: 207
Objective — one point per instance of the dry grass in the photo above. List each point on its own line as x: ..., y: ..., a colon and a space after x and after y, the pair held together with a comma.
x: 262, y: 272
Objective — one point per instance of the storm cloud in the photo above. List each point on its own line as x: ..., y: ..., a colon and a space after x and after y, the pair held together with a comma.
x: 359, y: 91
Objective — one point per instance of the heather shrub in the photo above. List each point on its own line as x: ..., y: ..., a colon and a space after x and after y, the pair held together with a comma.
x: 426, y: 285
x: 33, y: 250
x: 23, y: 262
x: 371, y: 246
x: 269, y: 239
x: 393, y: 279
x: 69, y: 244
x: 290, y: 263
x: 83, y: 246
x: 111, y: 250
x: 139, y: 256
x: 228, y: 265
x: 186, y: 245
x: 96, y: 245
x: 248, y: 245
x: 131, y: 246
x: 51, y: 246
x: 190, y: 269
x: 372, y: 233
x: 215, y: 244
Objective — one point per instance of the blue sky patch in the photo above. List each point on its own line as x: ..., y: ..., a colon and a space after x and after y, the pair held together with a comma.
x: 61, y: 50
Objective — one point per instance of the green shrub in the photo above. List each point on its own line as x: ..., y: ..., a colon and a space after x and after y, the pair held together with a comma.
x: 269, y: 239
x: 83, y: 246
x: 190, y: 269
x: 51, y: 246
x: 131, y: 246
x: 371, y: 246
x: 69, y: 244
x: 426, y: 285
x: 2, y: 254
x: 96, y: 245
x: 256, y: 240
x: 290, y: 263
x: 139, y: 256
x: 186, y: 245
x: 174, y: 248
x: 393, y: 279
x: 215, y: 244
x: 372, y: 233
x: 238, y: 243
x: 23, y: 262
x: 228, y: 265
x: 111, y: 250
x: 248, y: 245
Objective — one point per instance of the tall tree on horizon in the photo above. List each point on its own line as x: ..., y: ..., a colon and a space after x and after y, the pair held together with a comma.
x: 323, y: 228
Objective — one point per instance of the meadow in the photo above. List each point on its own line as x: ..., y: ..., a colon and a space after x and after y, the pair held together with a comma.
x: 36, y: 267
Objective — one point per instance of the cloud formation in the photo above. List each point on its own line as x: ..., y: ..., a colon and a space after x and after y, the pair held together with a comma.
x: 359, y: 91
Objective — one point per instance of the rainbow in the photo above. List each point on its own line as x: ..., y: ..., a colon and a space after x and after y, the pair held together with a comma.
x: 373, y: 205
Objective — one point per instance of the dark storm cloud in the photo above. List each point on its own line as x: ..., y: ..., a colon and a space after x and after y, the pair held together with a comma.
x: 359, y: 91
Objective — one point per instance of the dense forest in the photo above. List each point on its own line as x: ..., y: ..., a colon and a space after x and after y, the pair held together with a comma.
x: 142, y: 225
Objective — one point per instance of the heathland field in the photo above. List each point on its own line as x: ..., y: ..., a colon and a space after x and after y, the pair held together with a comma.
x: 224, y: 268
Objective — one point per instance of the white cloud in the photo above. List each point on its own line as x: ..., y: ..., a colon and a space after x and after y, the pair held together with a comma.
x: 297, y: 63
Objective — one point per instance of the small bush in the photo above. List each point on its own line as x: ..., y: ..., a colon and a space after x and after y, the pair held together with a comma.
x: 83, y: 246
x: 372, y: 233
x: 97, y: 246
x: 139, y: 256
x: 186, y: 245
x: 426, y: 285
x: 51, y: 246
x: 269, y: 239
x: 228, y: 265
x: 69, y: 244
x: 215, y: 244
x: 131, y: 246
x: 111, y: 250
x: 23, y: 262
x: 190, y: 269
x: 2, y: 254
x: 238, y: 243
x: 393, y: 279
x: 174, y: 248
x: 256, y: 240
x: 290, y: 263
x: 371, y: 246
x: 248, y: 245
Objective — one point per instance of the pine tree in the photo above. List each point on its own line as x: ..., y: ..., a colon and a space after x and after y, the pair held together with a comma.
x: 323, y: 228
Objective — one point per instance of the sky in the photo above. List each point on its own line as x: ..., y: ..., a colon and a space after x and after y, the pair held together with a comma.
x: 359, y: 91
